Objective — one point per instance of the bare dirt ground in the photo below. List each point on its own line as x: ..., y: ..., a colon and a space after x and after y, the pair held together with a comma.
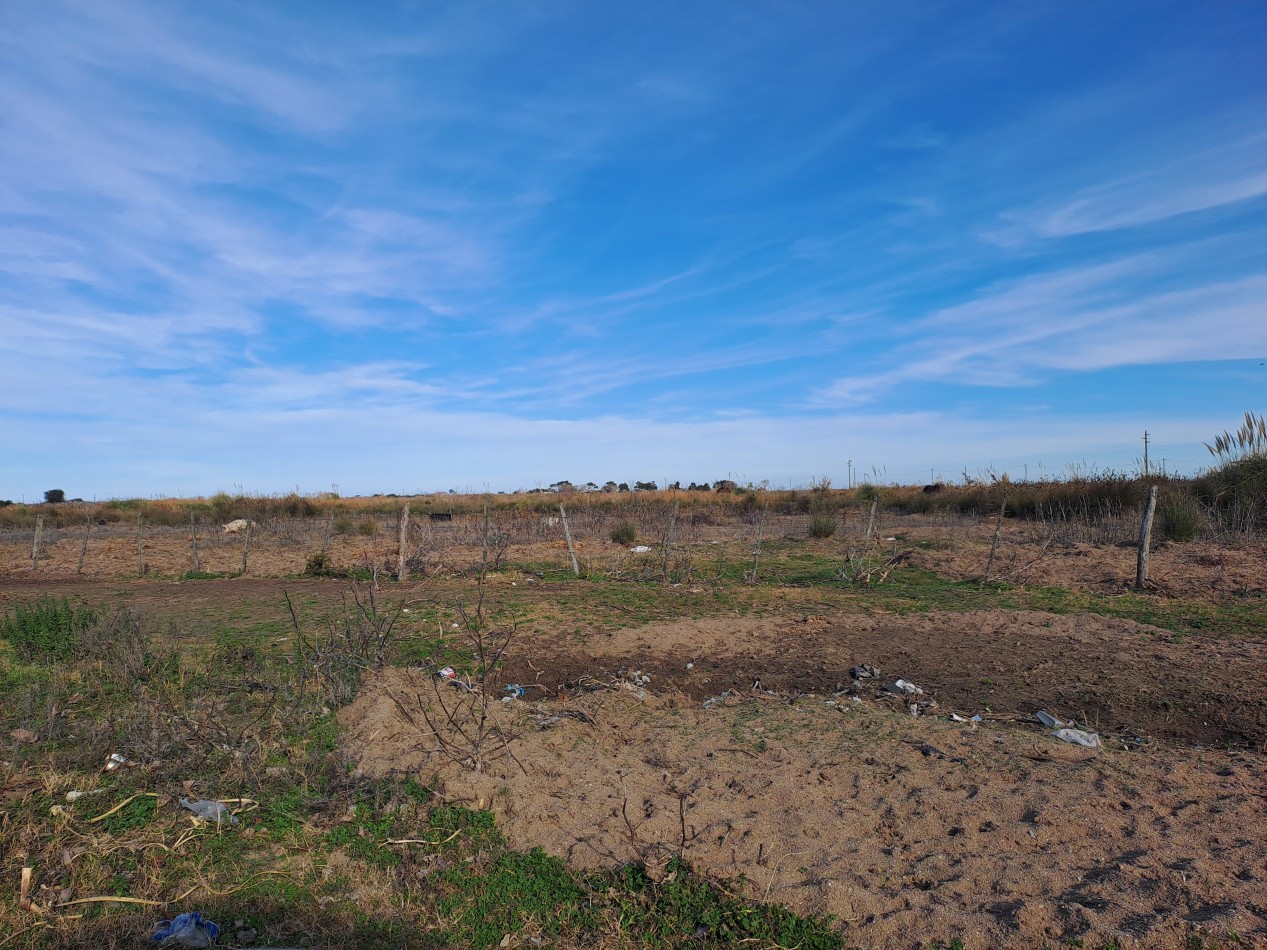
x: 909, y: 829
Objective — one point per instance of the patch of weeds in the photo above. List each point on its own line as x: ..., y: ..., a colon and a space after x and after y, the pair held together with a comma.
x: 365, y: 837
x: 684, y: 904
x: 321, y: 564
x: 48, y: 629
x: 135, y: 814
x: 204, y: 575
x: 282, y: 814
x: 515, y: 891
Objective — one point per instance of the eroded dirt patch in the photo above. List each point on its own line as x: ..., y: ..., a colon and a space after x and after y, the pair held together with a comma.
x: 1121, y: 677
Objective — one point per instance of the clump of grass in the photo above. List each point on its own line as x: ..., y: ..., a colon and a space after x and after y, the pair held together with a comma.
x: 321, y: 564
x: 822, y: 526
x: 49, y: 629
x: 343, y: 525
x: 368, y: 527
x: 624, y: 533
x: 1178, y: 517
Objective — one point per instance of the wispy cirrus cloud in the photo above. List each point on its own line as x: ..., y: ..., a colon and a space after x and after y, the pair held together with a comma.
x: 273, y: 219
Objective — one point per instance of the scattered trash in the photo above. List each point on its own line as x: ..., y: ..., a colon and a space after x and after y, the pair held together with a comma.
x: 1089, y: 739
x: 1048, y: 720
x: 864, y: 671
x: 690, y: 666
x: 914, y: 709
x: 117, y: 760
x: 718, y: 700
x: 186, y: 930
x: 212, y: 811
x: 955, y: 717
x: 909, y: 689
x: 24, y: 735
x: 448, y: 673
x: 514, y: 689
x: 74, y: 796
x: 547, y: 721
x: 640, y: 549
x: 890, y: 539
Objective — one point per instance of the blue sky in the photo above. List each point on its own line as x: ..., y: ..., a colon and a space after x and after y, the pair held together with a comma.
x: 416, y: 246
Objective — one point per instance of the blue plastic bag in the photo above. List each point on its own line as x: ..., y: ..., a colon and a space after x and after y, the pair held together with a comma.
x: 187, y: 930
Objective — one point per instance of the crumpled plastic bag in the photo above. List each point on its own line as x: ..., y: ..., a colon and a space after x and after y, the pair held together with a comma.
x: 186, y: 930
x: 217, y: 812
x: 1089, y: 739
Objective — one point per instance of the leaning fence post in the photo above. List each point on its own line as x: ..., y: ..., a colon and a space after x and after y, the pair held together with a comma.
x: 567, y: 533
x: 35, y: 541
x: 871, y: 521
x: 402, y: 567
x: 994, y: 545
x: 1145, y: 540
x: 83, y: 548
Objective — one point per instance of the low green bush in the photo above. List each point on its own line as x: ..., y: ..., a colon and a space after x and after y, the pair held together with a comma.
x: 48, y: 629
x: 822, y: 526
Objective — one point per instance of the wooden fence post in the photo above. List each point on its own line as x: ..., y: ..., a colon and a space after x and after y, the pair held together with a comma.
x: 668, y: 543
x: 994, y: 545
x: 193, y: 541
x: 83, y: 548
x: 246, y: 545
x: 567, y: 533
x: 1145, y: 540
x: 35, y: 541
x: 871, y: 521
x: 325, y: 536
x: 402, y: 567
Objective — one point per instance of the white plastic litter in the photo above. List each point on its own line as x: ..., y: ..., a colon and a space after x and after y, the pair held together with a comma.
x: 1048, y: 720
x: 73, y: 796
x: 902, y: 686
x: 640, y: 549
x: 117, y: 760
x: 1089, y: 739
x: 217, y: 812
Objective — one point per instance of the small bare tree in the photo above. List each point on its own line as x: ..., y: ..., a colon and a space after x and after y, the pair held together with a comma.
x: 454, y: 713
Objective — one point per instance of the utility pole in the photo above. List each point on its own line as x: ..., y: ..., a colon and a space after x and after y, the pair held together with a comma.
x: 849, y: 477
x: 1145, y: 453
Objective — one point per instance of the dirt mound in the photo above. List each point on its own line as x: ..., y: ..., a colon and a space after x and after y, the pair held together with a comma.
x: 909, y: 830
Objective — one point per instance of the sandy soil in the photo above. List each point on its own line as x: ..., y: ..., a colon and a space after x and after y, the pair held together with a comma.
x: 907, y: 829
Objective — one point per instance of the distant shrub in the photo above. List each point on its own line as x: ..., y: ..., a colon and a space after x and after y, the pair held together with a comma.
x: 54, y: 496
x: 49, y: 629
x: 368, y: 527
x: 343, y: 525
x: 624, y: 533
x: 295, y: 506
x: 822, y: 526
x: 868, y: 492
x: 321, y: 564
